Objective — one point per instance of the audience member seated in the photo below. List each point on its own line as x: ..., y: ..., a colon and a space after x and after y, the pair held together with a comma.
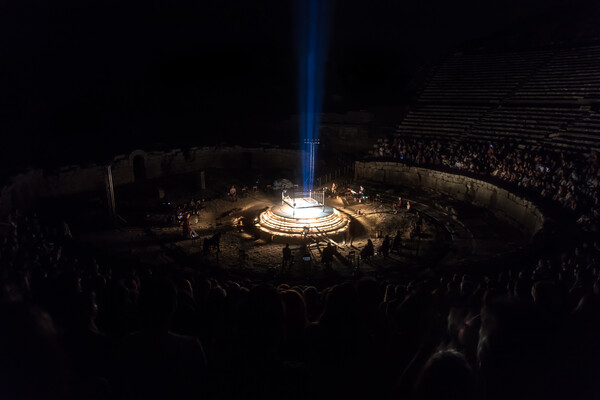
x: 569, y: 180
x: 83, y: 330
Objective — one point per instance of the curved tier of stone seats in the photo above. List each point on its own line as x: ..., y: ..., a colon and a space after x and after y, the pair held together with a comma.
x: 482, y: 77
x: 572, y: 75
x: 440, y: 120
x: 525, y: 124
x: 547, y: 97
x: 581, y: 135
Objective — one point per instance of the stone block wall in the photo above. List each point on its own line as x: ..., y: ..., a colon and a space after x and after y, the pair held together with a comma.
x: 24, y: 189
x: 509, y: 207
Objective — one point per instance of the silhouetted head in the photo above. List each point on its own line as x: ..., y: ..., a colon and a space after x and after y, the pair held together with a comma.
x: 546, y: 296
x: 295, y: 312
x: 446, y: 375
x: 341, y: 307
x: 32, y: 364
x: 368, y: 292
x: 513, y: 349
x: 83, y: 309
x: 158, y: 299
x: 523, y: 289
x: 262, y: 321
x: 390, y: 293
x: 313, y: 302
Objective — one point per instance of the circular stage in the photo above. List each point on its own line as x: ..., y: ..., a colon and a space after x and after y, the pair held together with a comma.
x: 288, y: 222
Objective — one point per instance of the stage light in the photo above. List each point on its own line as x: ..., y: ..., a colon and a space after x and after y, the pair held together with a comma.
x: 312, y: 20
x: 304, y: 213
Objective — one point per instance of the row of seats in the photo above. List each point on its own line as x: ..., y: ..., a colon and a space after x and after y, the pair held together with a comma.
x: 482, y: 77
x: 571, y: 75
x: 559, y: 127
x: 548, y: 76
x: 441, y: 120
x: 525, y: 124
x: 583, y: 134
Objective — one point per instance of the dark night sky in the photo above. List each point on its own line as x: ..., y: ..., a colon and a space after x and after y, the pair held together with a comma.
x: 91, y: 78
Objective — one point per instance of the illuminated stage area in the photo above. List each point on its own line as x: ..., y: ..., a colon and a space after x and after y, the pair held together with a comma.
x: 302, y: 214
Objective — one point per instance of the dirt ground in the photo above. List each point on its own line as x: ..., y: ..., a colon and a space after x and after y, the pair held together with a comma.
x: 158, y: 240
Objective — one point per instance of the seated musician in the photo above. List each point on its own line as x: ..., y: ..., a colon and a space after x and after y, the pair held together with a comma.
x: 398, y: 205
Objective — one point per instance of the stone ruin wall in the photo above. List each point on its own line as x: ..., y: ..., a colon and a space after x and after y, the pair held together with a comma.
x: 507, y: 206
x: 25, y: 189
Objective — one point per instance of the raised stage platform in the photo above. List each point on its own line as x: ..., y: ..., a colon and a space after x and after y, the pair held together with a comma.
x: 302, y: 214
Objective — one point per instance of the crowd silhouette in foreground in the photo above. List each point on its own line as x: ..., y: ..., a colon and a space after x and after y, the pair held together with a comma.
x: 74, y: 329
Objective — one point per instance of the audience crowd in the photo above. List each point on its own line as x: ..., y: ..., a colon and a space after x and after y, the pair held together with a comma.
x: 570, y: 180
x: 74, y: 329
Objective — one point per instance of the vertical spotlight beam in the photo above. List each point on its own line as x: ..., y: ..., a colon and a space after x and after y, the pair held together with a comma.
x: 311, y: 46
x: 311, y: 152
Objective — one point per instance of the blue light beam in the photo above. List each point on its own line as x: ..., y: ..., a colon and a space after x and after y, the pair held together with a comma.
x: 311, y: 41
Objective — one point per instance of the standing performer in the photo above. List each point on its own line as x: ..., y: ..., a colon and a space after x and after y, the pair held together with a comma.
x: 397, y: 241
x: 361, y: 194
x: 385, y: 246
x: 287, y: 258
x: 187, y: 226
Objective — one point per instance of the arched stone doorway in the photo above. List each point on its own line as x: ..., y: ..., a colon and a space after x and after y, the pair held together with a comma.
x: 139, y: 168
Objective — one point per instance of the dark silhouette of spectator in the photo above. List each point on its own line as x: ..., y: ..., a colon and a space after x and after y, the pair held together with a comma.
x: 446, y: 376
x: 368, y: 251
x: 313, y: 303
x: 548, y: 298
x: 286, y: 259
x: 119, y: 315
x: 523, y: 289
x: 257, y: 370
x: 536, y: 328
x: 155, y: 363
x: 327, y: 255
x: 514, y: 352
x: 88, y: 348
x: 340, y: 348
x: 185, y: 319
x: 352, y: 232
x: 296, y: 321
x: 397, y: 242
x: 385, y: 246
x: 419, y: 333
x: 186, y: 226
x: 33, y: 363
x: 468, y: 334
x: 215, y: 315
